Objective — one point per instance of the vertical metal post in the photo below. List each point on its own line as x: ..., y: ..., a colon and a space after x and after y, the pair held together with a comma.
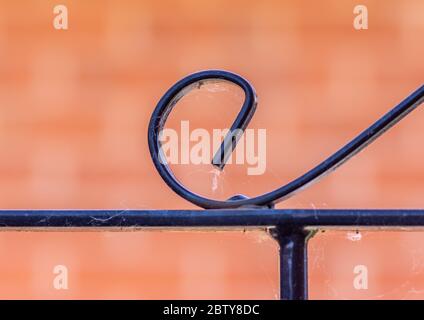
x: 293, y: 261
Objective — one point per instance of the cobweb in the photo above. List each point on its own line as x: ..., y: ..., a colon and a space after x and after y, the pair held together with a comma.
x: 390, y: 262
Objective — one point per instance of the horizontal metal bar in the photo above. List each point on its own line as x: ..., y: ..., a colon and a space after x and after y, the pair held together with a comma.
x: 233, y: 218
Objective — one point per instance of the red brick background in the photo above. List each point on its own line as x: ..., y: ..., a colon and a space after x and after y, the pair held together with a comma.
x: 74, y: 110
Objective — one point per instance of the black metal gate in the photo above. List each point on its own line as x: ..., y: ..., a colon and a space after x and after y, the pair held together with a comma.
x: 290, y: 228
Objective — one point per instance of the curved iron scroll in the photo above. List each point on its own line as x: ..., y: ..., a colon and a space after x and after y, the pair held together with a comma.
x: 177, y: 91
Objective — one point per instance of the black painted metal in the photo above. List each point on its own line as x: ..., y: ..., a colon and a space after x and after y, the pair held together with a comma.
x: 177, y: 91
x: 291, y: 228
x: 231, y: 218
x: 293, y: 246
x: 288, y: 226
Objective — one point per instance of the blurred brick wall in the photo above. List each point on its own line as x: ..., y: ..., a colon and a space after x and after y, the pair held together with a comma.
x: 74, y: 109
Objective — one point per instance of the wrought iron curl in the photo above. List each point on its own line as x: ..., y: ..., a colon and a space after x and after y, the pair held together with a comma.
x: 177, y: 91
